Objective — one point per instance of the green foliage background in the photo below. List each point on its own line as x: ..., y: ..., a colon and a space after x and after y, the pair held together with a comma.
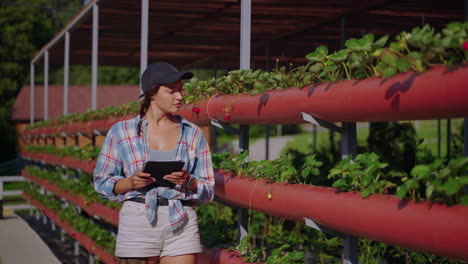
x: 25, y: 26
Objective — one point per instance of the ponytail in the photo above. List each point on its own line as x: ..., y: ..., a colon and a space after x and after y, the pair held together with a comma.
x: 145, y: 104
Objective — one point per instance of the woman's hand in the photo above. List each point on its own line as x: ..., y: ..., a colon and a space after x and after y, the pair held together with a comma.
x: 178, y: 177
x: 136, y: 181
x: 139, y: 180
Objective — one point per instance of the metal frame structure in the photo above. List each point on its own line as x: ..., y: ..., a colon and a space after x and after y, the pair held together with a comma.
x: 348, y: 130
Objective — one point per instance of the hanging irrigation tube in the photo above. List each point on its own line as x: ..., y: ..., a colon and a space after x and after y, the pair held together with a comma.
x: 435, y: 229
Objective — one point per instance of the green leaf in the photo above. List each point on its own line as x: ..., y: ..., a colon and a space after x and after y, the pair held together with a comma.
x: 401, y: 192
x: 366, y: 180
x: 365, y: 193
x: 305, y: 172
x: 389, y: 72
x: 339, y: 56
x: 403, y: 65
x: 315, y: 67
x: 315, y: 172
x: 415, y: 55
x: 340, y: 183
x: 463, y: 180
x: 353, y: 44
x: 390, y: 59
x: 380, y: 43
x: 318, y: 55
x: 429, y: 191
x: 421, y: 172
x: 412, y: 184
x: 464, y: 199
x: 451, y: 186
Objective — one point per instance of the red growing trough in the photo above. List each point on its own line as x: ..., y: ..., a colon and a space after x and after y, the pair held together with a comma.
x: 109, y: 215
x: 84, y: 240
x: 439, y: 92
x: 435, y: 228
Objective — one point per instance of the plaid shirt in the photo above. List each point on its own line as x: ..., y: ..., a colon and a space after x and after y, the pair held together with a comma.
x: 124, y: 150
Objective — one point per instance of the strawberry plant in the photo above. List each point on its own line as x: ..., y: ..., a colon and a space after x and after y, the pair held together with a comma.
x: 361, y: 59
x: 364, y: 174
x: 84, y: 153
x: 437, y: 183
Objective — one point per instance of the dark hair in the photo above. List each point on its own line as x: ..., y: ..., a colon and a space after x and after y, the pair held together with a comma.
x: 145, y: 104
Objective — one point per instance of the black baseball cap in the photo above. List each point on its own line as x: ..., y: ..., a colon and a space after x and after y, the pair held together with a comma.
x: 161, y: 73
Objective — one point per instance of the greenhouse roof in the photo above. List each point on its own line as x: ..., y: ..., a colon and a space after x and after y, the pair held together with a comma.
x: 206, y: 33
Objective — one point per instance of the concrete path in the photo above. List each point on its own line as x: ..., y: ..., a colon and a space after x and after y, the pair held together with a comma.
x: 258, y: 149
x: 19, y: 243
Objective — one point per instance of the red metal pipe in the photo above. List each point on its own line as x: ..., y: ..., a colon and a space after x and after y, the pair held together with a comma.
x: 435, y: 229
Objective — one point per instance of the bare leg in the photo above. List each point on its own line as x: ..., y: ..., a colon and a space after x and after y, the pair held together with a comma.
x: 182, y: 259
x: 149, y: 260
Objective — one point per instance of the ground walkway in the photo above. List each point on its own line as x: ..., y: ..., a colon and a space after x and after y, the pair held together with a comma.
x: 19, y: 243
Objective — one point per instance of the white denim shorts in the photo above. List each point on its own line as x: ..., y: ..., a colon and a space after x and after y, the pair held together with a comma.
x: 138, y: 238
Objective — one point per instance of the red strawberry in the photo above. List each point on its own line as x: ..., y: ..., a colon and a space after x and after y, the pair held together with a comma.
x: 227, y: 117
x: 196, y: 110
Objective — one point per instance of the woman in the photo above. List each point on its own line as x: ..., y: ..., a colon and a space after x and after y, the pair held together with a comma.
x: 156, y: 223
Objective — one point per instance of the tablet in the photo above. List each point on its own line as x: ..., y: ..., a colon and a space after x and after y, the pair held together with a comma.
x: 158, y: 169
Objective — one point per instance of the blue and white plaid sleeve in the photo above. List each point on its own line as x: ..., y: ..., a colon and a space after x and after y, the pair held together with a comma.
x: 108, y: 169
x: 203, y: 172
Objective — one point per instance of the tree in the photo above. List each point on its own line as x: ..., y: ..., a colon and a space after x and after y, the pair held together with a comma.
x: 25, y: 26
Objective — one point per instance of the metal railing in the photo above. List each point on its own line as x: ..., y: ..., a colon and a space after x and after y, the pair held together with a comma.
x: 4, y: 193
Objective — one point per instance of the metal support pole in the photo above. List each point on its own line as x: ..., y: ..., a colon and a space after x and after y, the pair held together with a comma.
x: 31, y: 95
x: 465, y: 136
x: 267, y: 127
x: 314, y: 137
x: 465, y: 120
x: 244, y: 137
x: 350, y: 250
x: 342, y: 32
x: 348, y: 147
x: 144, y: 38
x: 438, y: 138
x: 46, y: 84
x: 66, y: 71
x: 449, y: 134
x: 90, y: 259
x: 466, y: 10
x: 243, y: 214
x: 246, y: 6
x: 76, y: 248
x: 465, y: 144
x: 1, y: 199
x: 267, y: 142
x: 213, y: 130
x: 94, y: 57
x: 214, y: 139
x: 348, y: 140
